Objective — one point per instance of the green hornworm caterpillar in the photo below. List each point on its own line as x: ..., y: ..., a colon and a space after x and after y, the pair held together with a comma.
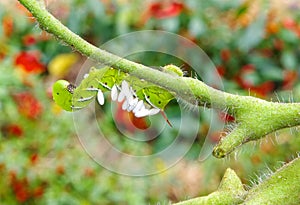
x: 138, y: 96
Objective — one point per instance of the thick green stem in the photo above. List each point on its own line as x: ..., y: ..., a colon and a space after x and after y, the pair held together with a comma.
x: 282, y: 187
x: 255, y: 118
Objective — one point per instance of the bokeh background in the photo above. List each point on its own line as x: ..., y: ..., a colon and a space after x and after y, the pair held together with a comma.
x: 254, y: 45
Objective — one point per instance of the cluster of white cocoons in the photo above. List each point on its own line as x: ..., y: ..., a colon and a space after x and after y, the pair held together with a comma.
x: 130, y: 101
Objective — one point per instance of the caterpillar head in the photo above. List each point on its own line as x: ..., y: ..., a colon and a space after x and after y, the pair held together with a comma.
x: 62, y: 92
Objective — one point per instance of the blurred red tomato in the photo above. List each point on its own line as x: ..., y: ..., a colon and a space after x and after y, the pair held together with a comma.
x: 20, y: 189
x: 292, y: 25
x: 226, y: 117
x: 241, y: 77
x: 139, y: 123
x: 225, y: 55
x: 221, y: 70
x: 29, y: 40
x: 289, y: 23
x: 159, y: 10
x: 263, y: 89
x: 129, y: 121
x: 28, y: 105
x: 290, y: 77
x: 14, y: 130
x: 29, y: 62
x: 34, y: 158
x: 38, y: 192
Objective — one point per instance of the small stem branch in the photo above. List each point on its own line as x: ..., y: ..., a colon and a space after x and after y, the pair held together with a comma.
x: 230, y: 191
x: 232, y: 140
x: 257, y: 119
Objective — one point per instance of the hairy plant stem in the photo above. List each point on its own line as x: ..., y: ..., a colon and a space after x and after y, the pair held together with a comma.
x: 230, y: 191
x: 255, y: 117
x: 281, y: 187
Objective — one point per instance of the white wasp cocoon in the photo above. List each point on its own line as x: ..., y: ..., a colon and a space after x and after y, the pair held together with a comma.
x: 132, y: 104
x: 154, y: 111
x: 142, y: 113
x: 114, y: 93
x: 100, y: 97
x: 125, y: 88
x: 138, y: 106
x: 125, y: 105
x: 121, y: 96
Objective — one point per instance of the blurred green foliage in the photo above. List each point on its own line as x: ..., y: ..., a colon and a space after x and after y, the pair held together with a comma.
x: 254, y: 45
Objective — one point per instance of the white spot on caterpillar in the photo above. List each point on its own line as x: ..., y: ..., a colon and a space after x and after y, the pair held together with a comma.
x: 76, y: 107
x: 86, y: 75
x: 92, y: 89
x: 100, y: 97
x: 84, y: 99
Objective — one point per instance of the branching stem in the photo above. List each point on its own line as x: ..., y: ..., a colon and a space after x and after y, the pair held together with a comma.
x: 255, y: 117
